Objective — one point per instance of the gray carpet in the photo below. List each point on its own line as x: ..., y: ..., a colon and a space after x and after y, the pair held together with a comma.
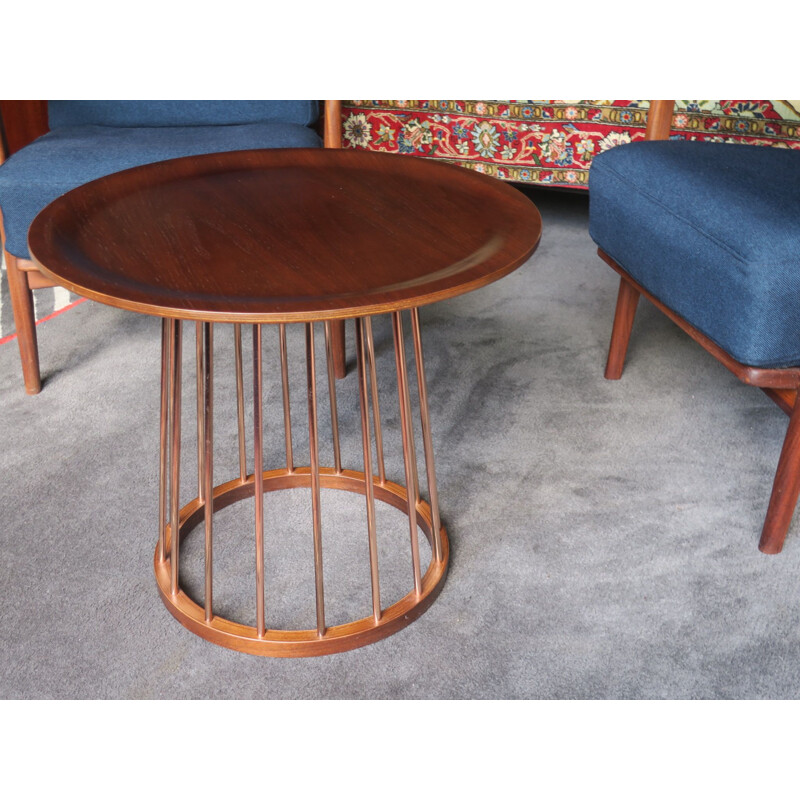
x: 603, y: 534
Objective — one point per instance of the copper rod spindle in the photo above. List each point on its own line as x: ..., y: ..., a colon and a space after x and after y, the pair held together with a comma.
x: 175, y: 451
x: 426, y: 434
x: 366, y: 440
x: 208, y: 460
x: 313, y: 446
x: 258, y: 478
x: 376, y: 409
x: 164, y: 437
x: 287, y: 416
x: 237, y: 352
x: 337, y: 458
x: 198, y: 329
x: 409, y: 455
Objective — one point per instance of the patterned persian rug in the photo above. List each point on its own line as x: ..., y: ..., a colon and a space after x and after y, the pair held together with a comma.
x: 552, y: 142
x: 46, y: 303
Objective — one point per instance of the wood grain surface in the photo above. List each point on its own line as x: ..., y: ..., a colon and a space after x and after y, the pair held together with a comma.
x: 284, y: 235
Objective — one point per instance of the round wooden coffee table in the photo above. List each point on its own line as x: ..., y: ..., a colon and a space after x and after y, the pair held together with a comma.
x: 279, y: 237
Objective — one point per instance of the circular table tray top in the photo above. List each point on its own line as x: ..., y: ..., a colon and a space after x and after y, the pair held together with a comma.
x: 284, y: 235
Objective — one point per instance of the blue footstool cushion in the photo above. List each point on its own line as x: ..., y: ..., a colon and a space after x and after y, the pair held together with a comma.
x: 71, y: 155
x: 712, y: 230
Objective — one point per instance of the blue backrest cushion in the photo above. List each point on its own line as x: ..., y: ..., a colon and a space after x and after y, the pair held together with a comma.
x: 168, y: 113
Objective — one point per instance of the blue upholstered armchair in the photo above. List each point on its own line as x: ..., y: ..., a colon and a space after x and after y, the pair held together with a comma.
x: 710, y: 233
x: 54, y: 146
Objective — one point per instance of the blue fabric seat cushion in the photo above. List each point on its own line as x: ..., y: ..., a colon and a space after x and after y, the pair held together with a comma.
x: 155, y: 113
x: 712, y: 230
x: 69, y: 157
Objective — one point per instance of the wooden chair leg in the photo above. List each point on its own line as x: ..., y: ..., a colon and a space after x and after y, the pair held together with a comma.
x: 785, y: 489
x: 25, y: 324
x: 338, y: 348
x: 627, y: 300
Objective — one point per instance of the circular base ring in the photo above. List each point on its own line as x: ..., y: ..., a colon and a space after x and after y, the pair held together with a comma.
x: 301, y: 643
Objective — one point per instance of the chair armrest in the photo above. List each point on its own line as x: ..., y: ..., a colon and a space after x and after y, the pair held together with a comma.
x: 23, y: 121
x: 333, y: 123
x: 659, y: 119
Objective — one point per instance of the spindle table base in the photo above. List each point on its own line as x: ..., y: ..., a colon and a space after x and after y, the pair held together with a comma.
x: 422, y: 515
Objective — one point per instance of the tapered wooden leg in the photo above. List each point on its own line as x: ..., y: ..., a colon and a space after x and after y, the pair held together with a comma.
x: 785, y: 489
x: 25, y: 324
x: 627, y: 300
x: 338, y: 349
x: 784, y: 398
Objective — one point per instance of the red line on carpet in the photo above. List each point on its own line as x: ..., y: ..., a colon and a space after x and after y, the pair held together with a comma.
x: 12, y: 336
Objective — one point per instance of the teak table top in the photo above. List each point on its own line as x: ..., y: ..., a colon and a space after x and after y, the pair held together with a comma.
x: 289, y: 235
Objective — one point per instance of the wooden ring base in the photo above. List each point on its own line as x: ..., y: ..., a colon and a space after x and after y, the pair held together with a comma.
x: 302, y: 643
